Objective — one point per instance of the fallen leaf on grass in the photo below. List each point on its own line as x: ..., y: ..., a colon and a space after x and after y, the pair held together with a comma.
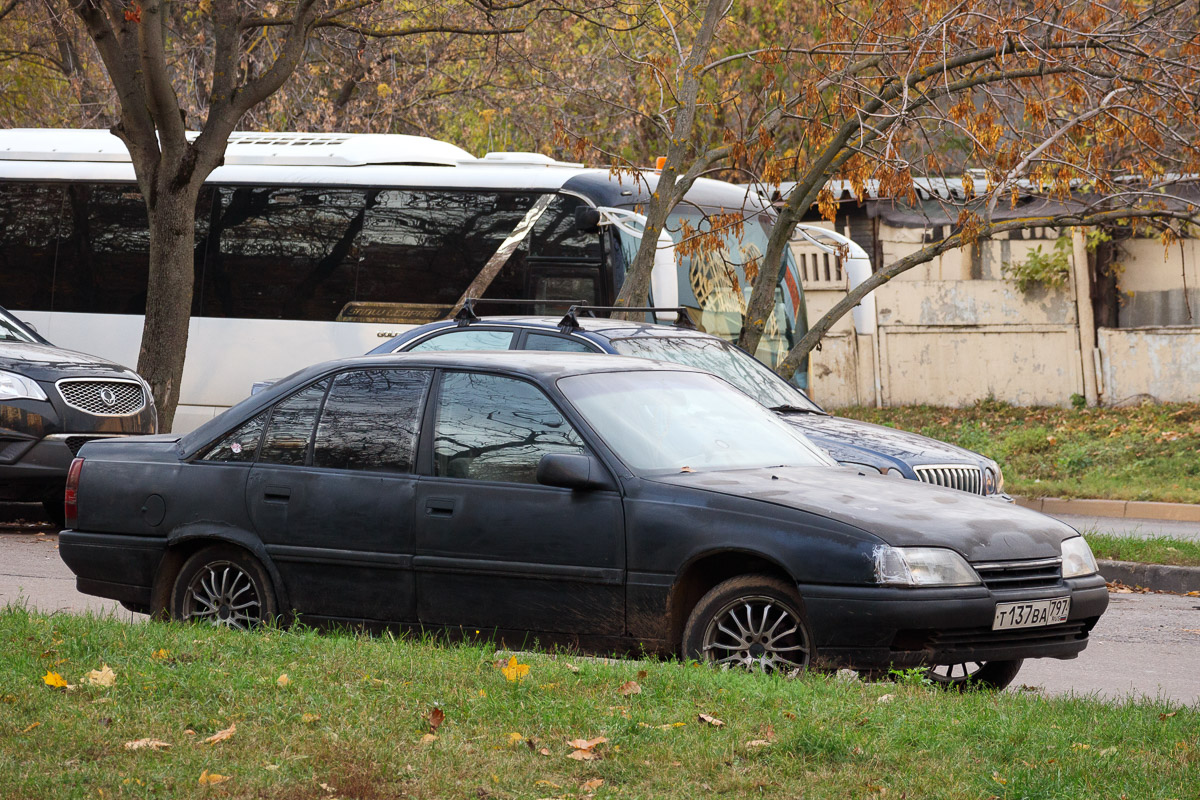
x: 594, y: 783
x: 209, y: 778
x: 630, y: 687
x: 641, y: 676
x: 54, y: 680
x: 1080, y: 746
x: 428, y: 738
x: 885, y: 698
x: 30, y: 727
x: 147, y: 744
x: 327, y: 787
x: 572, y: 668
x: 1164, y: 717
x: 710, y: 720
x: 551, y: 784
x: 758, y: 743
x: 545, y: 751
x: 514, y: 739
x: 514, y: 671
x: 435, y: 719
x: 583, y: 755
x: 309, y: 719
x: 996, y: 777
x: 161, y: 654
x: 221, y: 736
x: 283, y: 680
x: 101, y: 677
x: 584, y: 748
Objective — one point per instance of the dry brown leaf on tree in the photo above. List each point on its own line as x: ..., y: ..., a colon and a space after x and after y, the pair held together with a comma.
x: 221, y: 736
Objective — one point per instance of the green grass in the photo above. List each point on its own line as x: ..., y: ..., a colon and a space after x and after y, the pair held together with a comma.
x: 349, y: 724
x: 1154, y: 550
x: 1151, y: 452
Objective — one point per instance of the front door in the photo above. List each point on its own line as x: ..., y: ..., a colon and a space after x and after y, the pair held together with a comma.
x: 495, y: 549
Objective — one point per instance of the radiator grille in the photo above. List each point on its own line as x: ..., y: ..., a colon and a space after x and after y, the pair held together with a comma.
x: 953, y: 476
x: 103, y: 398
x: 1032, y: 574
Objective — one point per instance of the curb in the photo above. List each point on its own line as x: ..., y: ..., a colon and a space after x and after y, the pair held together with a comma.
x: 1158, y: 577
x: 1125, y: 509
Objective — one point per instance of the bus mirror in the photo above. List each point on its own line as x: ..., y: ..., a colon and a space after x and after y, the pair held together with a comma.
x: 587, y: 219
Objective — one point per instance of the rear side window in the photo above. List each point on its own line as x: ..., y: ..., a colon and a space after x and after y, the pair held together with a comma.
x: 370, y: 420
x: 493, y: 428
x: 291, y: 426
x: 241, y: 444
x: 466, y: 339
x: 560, y: 344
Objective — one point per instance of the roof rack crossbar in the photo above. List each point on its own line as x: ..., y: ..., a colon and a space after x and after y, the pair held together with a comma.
x: 466, y: 315
x: 570, y: 320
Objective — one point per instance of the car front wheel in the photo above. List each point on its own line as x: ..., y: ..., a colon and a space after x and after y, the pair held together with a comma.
x: 753, y: 622
x: 983, y: 674
x: 223, y: 585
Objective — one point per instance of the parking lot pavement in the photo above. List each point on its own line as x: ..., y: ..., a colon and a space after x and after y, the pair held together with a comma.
x: 32, y: 573
x: 1140, y: 528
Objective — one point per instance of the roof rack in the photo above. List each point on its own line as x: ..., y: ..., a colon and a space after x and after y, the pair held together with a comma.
x: 570, y: 321
x: 466, y: 315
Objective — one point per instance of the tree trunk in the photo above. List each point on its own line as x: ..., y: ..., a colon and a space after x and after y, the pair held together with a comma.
x: 168, y: 297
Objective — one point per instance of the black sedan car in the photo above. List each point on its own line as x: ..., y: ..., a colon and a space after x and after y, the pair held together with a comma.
x: 607, y: 502
x: 52, y: 401
x: 887, y: 451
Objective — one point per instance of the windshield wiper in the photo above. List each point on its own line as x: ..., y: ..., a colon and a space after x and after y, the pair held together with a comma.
x: 786, y: 409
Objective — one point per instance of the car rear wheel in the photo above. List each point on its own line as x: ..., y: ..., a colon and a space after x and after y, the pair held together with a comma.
x: 983, y: 674
x: 223, y: 586
x: 753, y: 622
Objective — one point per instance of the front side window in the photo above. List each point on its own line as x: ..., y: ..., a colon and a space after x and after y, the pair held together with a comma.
x: 492, y: 428
x: 291, y: 426
x: 370, y: 420
x: 466, y: 339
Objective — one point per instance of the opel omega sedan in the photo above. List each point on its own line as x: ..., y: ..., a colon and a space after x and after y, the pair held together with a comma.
x: 603, y: 502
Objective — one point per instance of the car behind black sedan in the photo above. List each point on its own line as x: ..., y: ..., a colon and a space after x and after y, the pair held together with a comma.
x: 610, y: 502
x: 52, y: 401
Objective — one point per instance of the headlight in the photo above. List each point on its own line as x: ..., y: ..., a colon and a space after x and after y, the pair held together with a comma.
x: 989, y: 480
x: 922, y: 566
x: 14, y: 386
x: 1077, y: 558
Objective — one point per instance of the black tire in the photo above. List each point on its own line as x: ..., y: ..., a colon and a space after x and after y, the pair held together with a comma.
x: 223, y: 585
x: 725, y: 629
x: 55, y: 511
x: 978, y: 674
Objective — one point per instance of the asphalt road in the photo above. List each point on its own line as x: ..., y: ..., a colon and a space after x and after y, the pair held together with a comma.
x: 1147, y: 645
x: 1140, y: 528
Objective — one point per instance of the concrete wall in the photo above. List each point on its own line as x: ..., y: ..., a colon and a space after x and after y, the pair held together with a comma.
x: 1161, y: 363
x: 954, y: 331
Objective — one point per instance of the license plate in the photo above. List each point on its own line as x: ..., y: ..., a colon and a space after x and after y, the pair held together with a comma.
x: 1031, y: 614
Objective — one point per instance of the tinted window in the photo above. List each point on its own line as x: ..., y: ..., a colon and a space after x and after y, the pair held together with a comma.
x: 291, y: 426
x: 496, y: 429
x: 370, y: 420
x: 241, y: 445
x: 29, y: 218
x: 561, y: 344
x: 468, y: 339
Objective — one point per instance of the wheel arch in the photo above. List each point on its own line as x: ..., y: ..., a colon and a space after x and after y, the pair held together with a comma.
x: 185, y: 541
x: 704, y: 571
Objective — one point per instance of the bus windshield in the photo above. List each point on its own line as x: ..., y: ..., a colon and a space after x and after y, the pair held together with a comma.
x: 714, y: 286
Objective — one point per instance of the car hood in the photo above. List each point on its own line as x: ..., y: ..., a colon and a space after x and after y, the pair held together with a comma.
x: 50, y: 363
x: 859, y: 442
x: 902, y: 513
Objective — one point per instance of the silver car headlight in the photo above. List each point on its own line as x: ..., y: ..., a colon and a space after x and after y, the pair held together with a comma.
x: 16, y: 387
x: 1077, y: 558
x: 922, y: 566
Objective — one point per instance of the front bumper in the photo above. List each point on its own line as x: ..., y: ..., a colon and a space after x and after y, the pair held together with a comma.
x: 39, y: 467
x: 876, y: 628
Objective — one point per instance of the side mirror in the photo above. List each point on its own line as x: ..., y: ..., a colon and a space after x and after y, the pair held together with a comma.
x: 569, y: 471
x: 587, y: 219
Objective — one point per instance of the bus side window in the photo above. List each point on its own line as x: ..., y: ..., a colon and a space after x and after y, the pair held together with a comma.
x: 29, y: 223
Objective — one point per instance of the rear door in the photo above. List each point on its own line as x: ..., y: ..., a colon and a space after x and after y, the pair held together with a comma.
x: 494, y: 548
x: 332, y: 493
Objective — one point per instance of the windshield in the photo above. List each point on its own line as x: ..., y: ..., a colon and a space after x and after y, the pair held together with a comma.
x: 723, y: 359
x: 13, y: 331
x: 713, y: 283
x: 669, y: 422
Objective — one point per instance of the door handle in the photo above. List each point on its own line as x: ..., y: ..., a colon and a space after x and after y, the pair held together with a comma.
x: 277, y: 494
x: 440, y: 506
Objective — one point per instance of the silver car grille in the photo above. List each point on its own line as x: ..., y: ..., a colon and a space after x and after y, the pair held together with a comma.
x: 952, y: 476
x: 103, y: 398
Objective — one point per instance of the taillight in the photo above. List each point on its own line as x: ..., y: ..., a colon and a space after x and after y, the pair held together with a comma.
x: 71, y: 495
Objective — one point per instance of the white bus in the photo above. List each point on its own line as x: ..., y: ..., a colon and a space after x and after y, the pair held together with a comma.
x: 314, y: 246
